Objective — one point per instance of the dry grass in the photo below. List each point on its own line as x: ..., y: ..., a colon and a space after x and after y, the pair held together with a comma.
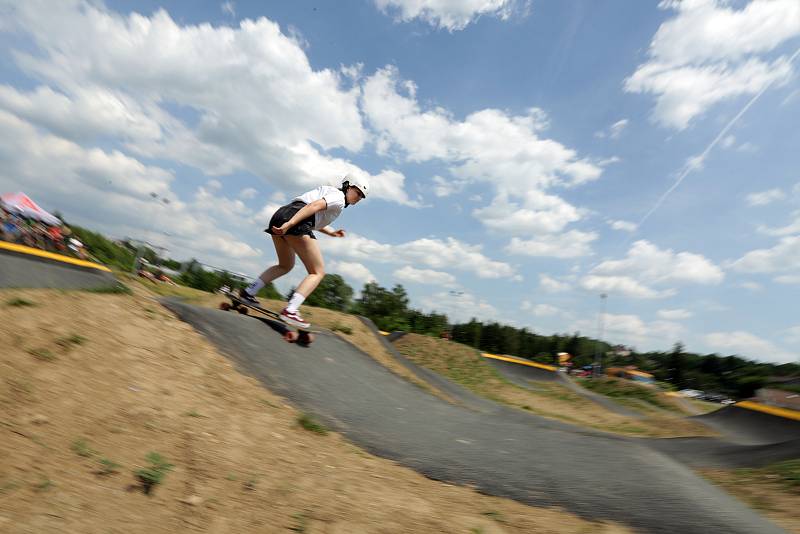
x: 464, y: 365
x: 239, y: 463
x: 767, y: 490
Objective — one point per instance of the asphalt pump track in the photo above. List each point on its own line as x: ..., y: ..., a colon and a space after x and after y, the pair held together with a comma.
x: 497, y: 449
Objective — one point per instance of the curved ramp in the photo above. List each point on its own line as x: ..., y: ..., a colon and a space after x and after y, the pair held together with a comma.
x: 20, y: 269
x: 526, y: 375
x: 525, y: 457
x: 750, y: 427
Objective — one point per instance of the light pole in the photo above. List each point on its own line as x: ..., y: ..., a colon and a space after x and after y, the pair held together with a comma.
x: 600, y: 320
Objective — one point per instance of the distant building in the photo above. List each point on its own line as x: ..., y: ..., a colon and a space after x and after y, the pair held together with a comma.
x: 779, y: 398
x: 620, y: 350
x: 630, y: 373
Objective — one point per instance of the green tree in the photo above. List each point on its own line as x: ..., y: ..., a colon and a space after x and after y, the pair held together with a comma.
x: 387, y: 309
x: 677, y: 366
x: 332, y: 293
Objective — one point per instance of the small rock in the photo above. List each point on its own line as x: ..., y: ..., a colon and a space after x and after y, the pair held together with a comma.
x: 39, y: 419
x: 192, y: 500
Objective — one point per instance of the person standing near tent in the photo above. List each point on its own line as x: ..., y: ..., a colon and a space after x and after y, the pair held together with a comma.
x: 291, y: 228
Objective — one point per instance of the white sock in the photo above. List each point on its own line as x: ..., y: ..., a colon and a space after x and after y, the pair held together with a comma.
x: 295, y: 302
x: 255, y: 287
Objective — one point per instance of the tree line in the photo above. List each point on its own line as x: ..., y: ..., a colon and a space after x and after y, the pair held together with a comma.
x: 389, y: 309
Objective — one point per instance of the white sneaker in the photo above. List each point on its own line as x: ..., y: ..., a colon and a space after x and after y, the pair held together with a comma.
x: 294, y: 319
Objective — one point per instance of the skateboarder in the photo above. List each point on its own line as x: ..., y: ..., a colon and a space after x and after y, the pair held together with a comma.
x: 292, y: 233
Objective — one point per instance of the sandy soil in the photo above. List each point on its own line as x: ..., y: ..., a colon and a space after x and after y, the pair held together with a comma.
x: 92, y: 383
x: 465, y: 365
x: 763, y: 491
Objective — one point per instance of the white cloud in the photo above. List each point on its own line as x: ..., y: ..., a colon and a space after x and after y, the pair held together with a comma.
x: 118, y: 192
x: 438, y: 254
x: 762, y: 198
x: 248, y: 193
x: 710, y: 52
x: 623, y: 285
x: 451, y: 15
x: 646, y: 261
x: 571, y: 244
x: 249, y: 99
x: 792, y: 228
x: 444, y: 187
x: 625, y: 226
x: 424, y: 276
x: 645, y: 266
x: 751, y: 286
x: 614, y: 131
x: 782, y: 258
x: 460, y: 307
x: 228, y: 8
x: 539, y: 213
x: 551, y: 285
x: 543, y: 310
x: 675, y: 315
x: 488, y: 145
x: 788, y: 279
x: 633, y: 331
x: 353, y: 272
x: 728, y: 141
x: 748, y: 345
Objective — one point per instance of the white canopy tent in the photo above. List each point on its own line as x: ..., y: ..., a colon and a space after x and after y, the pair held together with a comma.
x: 21, y: 204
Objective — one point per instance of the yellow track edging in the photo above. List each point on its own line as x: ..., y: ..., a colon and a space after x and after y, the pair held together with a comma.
x: 519, y: 361
x: 13, y: 247
x: 772, y: 410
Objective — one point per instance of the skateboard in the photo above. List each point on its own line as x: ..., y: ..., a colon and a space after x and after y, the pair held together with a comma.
x: 291, y: 333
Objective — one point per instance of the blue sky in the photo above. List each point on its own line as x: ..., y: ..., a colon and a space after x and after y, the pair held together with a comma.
x: 522, y: 153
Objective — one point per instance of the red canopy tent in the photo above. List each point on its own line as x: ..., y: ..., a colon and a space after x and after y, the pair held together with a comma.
x: 22, y: 204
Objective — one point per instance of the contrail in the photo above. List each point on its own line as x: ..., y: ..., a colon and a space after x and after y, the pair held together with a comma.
x: 691, y: 165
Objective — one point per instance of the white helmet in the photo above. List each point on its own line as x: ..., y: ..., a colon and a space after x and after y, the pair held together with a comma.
x: 362, y: 183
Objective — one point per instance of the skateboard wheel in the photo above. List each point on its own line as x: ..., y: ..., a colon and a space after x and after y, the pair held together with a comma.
x: 241, y: 310
x: 306, y: 338
x: 290, y: 336
x: 225, y: 306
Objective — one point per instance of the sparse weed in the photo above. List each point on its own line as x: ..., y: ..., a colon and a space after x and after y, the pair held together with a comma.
x: 68, y: 341
x: 108, y: 467
x: 342, y: 328
x: 44, y: 484
x: 153, y: 474
x: 301, y: 522
x: 307, y: 422
x: 7, y: 487
x: 232, y: 477
x: 20, y: 303
x: 81, y: 448
x: 789, y: 471
x: 42, y: 354
x: 497, y: 516
x: 192, y: 413
x: 118, y: 289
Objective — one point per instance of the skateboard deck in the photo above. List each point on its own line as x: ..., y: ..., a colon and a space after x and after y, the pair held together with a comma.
x: 291, y: 333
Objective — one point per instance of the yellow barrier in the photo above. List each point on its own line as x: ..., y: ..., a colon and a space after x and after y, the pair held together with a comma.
x: 51, y: 256
x: 519, y: 361
x: 772, y: 410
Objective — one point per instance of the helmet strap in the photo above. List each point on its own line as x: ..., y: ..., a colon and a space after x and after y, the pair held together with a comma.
x: 345, y: 187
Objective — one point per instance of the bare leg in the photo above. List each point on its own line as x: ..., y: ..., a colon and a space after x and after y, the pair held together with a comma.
x: 310, y: 255
x: 285, y: 260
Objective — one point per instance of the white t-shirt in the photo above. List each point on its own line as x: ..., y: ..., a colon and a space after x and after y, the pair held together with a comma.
x: 335, y: 199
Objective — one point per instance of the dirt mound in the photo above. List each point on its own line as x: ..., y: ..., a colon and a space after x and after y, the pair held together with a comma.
x: 91, y: 384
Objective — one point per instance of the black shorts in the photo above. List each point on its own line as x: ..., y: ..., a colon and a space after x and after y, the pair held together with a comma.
x: 284, y: 213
